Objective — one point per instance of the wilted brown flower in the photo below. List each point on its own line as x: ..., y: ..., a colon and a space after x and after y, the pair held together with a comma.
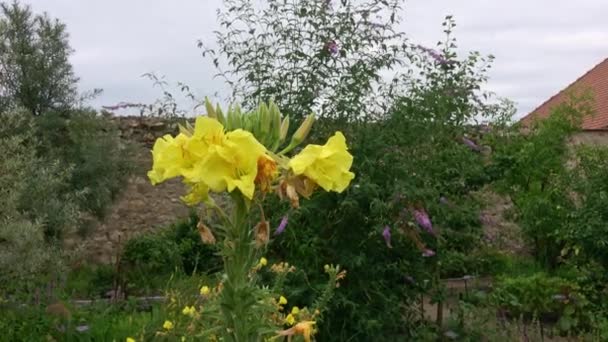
x: 262, y: 233
x: 205, y: 233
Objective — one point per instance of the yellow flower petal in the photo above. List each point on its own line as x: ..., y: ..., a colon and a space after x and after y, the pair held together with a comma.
x: 189, y: 311
x: 282, y: 300
x: 205, y: 290
x: 168, y: 325
x: 263, y: 262
x: 130, y: 339
x: 169, y: 158
x: 290, y: 319
x: 326, y: 165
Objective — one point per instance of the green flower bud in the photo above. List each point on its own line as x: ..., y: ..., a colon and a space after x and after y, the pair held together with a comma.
x: 284, y: 128
x: 303, y: 130
x: 210, y: 110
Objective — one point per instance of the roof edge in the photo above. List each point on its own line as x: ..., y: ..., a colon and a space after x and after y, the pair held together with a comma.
x: 528, y: 116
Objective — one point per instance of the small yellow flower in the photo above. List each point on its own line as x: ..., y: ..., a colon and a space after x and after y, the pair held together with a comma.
x: 130, y: 339
x: 263, y: 262
x: 205, y: 291
x: 189, y: 311
x: 290, y: 319
x: 327, y: 165
x: 183, y: 338
x: 282, y: 300
x: 295, y: 310
x: 168, y: 325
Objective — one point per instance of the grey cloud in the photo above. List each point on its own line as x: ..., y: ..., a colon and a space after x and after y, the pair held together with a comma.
x: 540, y: 45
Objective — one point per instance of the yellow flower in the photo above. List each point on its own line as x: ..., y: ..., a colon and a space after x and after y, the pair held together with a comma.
x: 326, y: 165
x: 168, y: 325
x: 282, y: 300
x: 211, y: 159
x: 130, y: 339
x: 224, y: 161
x: 189, y: 311
x: 263, y: 262
x: 290, y: 319
x: 205, y: 291
x: 295, y: 310
x: 169, y: 158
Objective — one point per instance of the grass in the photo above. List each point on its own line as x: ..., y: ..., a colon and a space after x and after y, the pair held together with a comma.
x: 101, y: 321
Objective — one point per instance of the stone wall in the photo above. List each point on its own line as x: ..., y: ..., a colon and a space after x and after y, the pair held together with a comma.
x: 140, y: 207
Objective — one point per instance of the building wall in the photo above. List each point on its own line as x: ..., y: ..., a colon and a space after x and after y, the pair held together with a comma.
x: 595, y: 138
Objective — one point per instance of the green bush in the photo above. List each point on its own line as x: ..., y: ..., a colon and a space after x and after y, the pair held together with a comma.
x: 91, y: 144
x: 177, y: 248
x: 26, y: 256
x: 407, y: 138
x: 477, y: 263
x: 542, y: 297
x: 532, y: 169
x: 413, y: 157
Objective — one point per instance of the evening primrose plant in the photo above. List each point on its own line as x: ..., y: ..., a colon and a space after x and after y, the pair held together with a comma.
x: 248, y: 157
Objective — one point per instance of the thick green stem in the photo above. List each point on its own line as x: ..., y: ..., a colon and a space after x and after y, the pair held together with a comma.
x: 237, y: 297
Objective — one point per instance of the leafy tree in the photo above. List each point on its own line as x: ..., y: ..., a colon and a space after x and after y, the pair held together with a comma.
x: 34, y: 69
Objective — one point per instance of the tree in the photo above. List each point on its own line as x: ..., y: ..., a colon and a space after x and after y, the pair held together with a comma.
x: 35, y: 72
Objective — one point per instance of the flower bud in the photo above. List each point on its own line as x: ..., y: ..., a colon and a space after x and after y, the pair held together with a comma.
x: 185, y: 130
x: 303, y: 130
x: 284, y: 129
x: 209, y: 107
x: 265, y: 123
x: 231, y: 119
x: 220, y: 115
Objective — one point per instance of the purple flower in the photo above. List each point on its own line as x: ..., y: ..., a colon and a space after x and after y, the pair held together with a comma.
x: 423, y: 220
x: 472, y: 145
x: 438, y: 57
x: 282, y: 226
x: 428, y: 253
x: 332, y: 48
x: 386, y: 234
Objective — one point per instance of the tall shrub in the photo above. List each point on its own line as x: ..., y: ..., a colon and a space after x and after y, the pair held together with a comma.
x: 27, y: 216
x: 308, y: 55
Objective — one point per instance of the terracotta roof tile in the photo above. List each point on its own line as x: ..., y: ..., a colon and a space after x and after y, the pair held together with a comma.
x: 595, y: 80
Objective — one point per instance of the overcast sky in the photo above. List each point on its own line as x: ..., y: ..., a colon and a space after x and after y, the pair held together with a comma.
x: 540, y: 45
